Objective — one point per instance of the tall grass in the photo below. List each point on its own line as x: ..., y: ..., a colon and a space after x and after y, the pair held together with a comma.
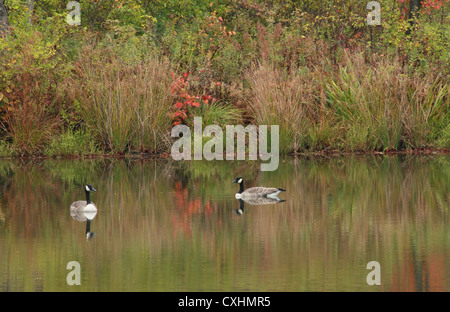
x: 125, y: 106
x: 284, y: 99
x: 382, y: 107
x: 357, y: 107
x: 31, y: 128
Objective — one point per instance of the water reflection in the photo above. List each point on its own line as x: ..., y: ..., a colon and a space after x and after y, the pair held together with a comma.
x: 189, y: 206
x: 170, y: 226
x: 257, y: 201
x: 85, y: 216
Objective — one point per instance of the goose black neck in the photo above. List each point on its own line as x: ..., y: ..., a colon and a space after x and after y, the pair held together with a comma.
x: 240, y: 211
x: 88, y: 197
x: 241, y: 187
x: 241, y: 205
x: 88, y: 226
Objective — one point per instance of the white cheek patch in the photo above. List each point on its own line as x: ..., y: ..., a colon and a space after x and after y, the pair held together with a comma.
x: 240, y: 181
x: 87, y: 188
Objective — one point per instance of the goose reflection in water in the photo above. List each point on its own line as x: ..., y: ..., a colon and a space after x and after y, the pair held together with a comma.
x: 85, y: 216
x: 257, y: 201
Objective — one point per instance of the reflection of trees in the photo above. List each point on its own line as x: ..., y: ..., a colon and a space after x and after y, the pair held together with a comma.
x: 421, y: 275
x: 339, y: 214
x: 187, y: 206
x: 28, y: 206
x: 378, y: 208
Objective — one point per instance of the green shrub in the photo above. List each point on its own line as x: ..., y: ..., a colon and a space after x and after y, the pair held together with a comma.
x: 72, y: 143
x: 31, y: 70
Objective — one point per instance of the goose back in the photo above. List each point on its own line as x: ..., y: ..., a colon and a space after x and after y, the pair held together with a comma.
x: 82, y: 205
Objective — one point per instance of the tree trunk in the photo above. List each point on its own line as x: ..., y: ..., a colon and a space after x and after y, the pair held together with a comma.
x: 30, y: 5
x: 414, y: 7
x: 4, y: 23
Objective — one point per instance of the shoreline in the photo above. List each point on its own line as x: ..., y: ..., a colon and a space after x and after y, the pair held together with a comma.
x: 165, y: 155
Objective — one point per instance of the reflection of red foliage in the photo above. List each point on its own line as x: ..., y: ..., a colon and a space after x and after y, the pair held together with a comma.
x: 427, y: 275
x: 187, y: 207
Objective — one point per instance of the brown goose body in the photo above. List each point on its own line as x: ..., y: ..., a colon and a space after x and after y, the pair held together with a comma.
x: 82, y: 205
x: 257, y: 191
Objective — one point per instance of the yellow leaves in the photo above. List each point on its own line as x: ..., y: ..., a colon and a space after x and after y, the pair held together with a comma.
x: 306, y: 27
x: 4, y: 98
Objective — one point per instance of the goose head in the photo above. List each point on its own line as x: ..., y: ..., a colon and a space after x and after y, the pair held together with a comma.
x: 238, y: 180
x: 90, y: 188
x: 90, y: 235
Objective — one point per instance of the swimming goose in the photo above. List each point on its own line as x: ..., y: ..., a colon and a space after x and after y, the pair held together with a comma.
x: 84, y: 205
x: 257, y: 191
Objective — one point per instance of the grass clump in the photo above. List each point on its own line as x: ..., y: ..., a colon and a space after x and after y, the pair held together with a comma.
x: 285, y: 99
x: 385, y: 109
x: 71, y: 143
x: 358, y: 107
x: 125, y: 106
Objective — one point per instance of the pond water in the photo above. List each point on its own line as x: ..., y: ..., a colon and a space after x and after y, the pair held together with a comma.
x: 174, y: 226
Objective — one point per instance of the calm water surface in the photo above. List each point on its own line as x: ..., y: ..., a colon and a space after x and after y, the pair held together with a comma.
x: 168, y: 226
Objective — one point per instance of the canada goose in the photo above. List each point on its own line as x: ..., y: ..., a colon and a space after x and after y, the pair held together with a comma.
x: 84, y: 205
x: 258, y: 191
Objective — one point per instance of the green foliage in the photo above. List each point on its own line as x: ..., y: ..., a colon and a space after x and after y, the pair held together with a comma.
x: 220, y: 114
x: 224, y: 45
x: 5, y: 149
x: 32, y: 66
x: 443, y: 138
x: 72, y: 143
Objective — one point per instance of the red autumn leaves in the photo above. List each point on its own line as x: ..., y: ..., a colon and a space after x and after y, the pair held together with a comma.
x: 186, y: 102
x: 426, y: 4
